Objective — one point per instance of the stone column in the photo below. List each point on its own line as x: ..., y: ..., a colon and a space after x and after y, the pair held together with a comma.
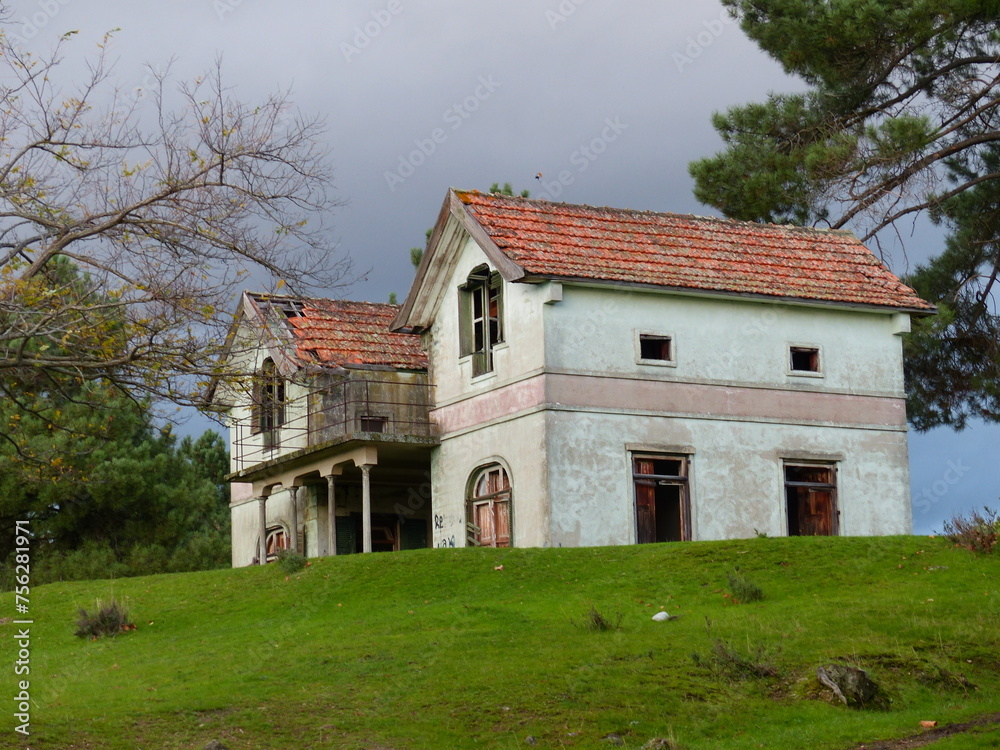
x: 331, y: 518
x: 293, y: 491
x: 262, y: 520
x: 366, y: 509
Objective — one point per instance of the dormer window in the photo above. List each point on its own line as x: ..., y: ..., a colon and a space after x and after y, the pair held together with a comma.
x: 268, y: 409
x: 481, y: 318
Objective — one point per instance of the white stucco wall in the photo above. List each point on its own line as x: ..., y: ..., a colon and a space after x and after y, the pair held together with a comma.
x: 736, y: 475
x: 521, y: 353
x: 246, y: 523
x: 519, y: 446
x: 568, y: 400
x: 723, y: 340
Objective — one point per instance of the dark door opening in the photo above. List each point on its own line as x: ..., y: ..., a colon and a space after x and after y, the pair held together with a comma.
x: 811, y: 500
x: 661, y: 499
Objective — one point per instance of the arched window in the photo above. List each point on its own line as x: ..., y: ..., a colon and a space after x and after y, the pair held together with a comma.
x: 489, y: 508
x: 268, y: 411
x: 276, y: 540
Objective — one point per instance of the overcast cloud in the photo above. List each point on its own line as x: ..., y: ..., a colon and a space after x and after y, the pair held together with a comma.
x: 608, y: 100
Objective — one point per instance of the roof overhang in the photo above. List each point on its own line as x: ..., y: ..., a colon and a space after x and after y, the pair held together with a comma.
x: 724, y: 294
x: 455, y: 224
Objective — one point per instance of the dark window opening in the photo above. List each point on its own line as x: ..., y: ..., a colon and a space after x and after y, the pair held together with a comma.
x: 655, y: 347
x: 489, y: 514
x: 374, y: 424
x: 662, y: 501
x: 804, y: 359
x: 481, y: 318
x: 811, y: 500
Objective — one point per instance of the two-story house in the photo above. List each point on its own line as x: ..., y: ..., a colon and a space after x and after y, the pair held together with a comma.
x: 582, y: 376
x: 606, y: 376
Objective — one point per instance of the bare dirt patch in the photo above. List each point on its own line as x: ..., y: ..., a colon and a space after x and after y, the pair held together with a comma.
x: 930, y: 736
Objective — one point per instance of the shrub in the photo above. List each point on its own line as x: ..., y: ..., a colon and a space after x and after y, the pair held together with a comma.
x: 291, y: 562
x: 594, y: 620
x: 976, y: 532
x: 742, y: 588
x: 107, y: 618
x: 726, y: 659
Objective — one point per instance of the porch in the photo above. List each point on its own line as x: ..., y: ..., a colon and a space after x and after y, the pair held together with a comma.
x: 358, y: 494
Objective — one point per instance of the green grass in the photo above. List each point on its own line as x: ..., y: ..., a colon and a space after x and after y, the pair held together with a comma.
x: 437, y: 649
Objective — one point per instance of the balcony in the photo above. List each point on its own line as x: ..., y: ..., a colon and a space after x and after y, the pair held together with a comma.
x: 384, y: 407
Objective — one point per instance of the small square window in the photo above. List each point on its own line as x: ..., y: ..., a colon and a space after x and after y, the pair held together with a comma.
x: 654, y: 347
x: 804, y: 359
x: 374, y: 424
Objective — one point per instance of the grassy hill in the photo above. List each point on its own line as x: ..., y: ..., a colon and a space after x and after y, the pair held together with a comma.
x: 443, y: 649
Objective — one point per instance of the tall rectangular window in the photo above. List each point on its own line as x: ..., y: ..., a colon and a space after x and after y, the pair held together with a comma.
x: 662, y: 499
x: 267, y: 412
x: 481, y: 318
x: 811, y: 499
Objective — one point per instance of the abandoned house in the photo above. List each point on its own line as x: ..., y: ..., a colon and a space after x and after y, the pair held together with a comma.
x: 332, y: 437
x: 593, y: 376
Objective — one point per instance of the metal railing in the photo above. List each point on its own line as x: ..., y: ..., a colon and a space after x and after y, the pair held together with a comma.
x: 327, y: 413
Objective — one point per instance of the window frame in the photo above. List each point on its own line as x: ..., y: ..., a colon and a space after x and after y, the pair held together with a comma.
x: 681, y: 480
x: 272, y: 533
x: 380, y: 419
x: 814, y: 350
x: 267, y: 412
x: 503, y: 495
x: 832, y: 487
x: 481, y: 318
x: 668, y: 336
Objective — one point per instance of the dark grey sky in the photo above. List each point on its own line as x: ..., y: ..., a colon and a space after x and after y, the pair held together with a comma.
x: 612, y: 97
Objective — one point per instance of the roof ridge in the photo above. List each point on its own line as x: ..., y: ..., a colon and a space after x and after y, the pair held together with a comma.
x: 650, y: 212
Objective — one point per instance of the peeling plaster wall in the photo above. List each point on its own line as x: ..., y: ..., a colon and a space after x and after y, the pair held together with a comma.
x: 520, y: 353
x: 724, y: 340
x: 736, y: 475
x: 519, y: 445
x: 741, y: 348
x: 246, y: 524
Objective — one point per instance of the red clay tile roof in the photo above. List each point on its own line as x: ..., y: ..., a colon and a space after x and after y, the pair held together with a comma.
x: 345, y: 333
x: 687, y: 252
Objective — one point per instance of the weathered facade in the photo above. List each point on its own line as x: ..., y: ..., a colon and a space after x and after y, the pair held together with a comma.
x: 567, y: 375
x: 630, y: 377
x: 331, y: 441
